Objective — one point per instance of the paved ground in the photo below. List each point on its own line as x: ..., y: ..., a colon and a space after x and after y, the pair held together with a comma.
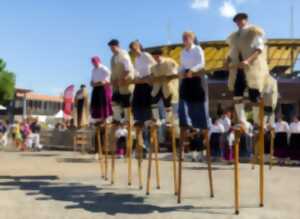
x: 60, y: 185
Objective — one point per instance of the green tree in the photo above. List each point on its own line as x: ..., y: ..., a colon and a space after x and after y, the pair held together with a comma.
x: 7, y: 84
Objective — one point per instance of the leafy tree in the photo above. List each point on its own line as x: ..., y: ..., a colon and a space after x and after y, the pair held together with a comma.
x: 7, y: 84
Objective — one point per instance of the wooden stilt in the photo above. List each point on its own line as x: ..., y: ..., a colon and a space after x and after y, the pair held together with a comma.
x: 129, y: 146
x: 254, y: 158
x: 206, y: 139
x: 113, y: 156
x: 156, y: 151
x: 261, y: 153
x: 180, y: 159
x: 100, y: 157
x: 150, y: 162
x: 105, y: 147
x: 272, y: 132
x: 139, y: 154
x: 237, y: 172
x: 174, y: 153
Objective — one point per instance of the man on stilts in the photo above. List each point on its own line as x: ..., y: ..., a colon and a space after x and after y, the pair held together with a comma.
x: 193, y: 107
x: 122, y: 70
x: 164, y: 89
x: 248, y: 71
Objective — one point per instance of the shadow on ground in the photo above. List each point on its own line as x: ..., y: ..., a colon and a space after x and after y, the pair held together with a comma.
x: 89, y: 198
x: 75, y: 160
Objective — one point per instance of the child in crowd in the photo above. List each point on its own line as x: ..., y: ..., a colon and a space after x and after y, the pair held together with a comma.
x: 121, y: 136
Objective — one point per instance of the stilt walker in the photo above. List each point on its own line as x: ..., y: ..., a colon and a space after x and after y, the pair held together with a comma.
x: 81, y: 111
x: 167, y: 91
x: 141, y: 104
x: 101, y: 108
x: 193, y: 105
x: 122, y: 71
x: 248, y: 71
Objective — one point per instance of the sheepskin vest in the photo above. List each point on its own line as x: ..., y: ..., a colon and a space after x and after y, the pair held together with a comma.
x: 240, y: 44
x: 117, y: 71
x: 167, y: 67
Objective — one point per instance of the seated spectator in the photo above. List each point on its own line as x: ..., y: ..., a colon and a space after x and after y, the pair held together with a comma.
x: 121, y: 136
x: 294, y: 150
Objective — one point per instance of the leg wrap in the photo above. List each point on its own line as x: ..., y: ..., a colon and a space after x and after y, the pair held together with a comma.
x: 117, y: 113
x: 240, y: 112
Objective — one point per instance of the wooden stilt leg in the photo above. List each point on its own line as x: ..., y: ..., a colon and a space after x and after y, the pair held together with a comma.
x: 272, y: 148
x: 113, y: 157
x: 150, y: 161
x: 261, y: 153
x: 156, y: 151
x: 100, y: 157
x: 129, y: 147
x: 206, y: 136
x: 105, y: 146
x: 180, y: 159
x: 237, y: 172
x: 254, y: 158
x: 139, y: 153
x: 174, y: 153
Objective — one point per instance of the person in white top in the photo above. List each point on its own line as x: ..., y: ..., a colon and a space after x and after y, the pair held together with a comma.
x: 216, y: 132
x: 281, y: 126
x: 192, y: 109
x: 121, y: 136
x: 295, y: 126
x: 141, y: 103
x: 226, y: 121
x: 101, y: 101
x: 294, y: 152
x: 281, y: 138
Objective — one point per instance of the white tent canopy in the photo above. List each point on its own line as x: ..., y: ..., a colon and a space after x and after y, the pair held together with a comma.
x: 59, y: 114
x: 2, y: 107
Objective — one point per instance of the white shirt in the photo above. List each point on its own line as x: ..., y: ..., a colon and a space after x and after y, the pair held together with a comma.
x: 121, y: 132
x: 226, y: 122
x: 124, y: 58
x: 282, y: 126
x: 192, y: 59
x: 295, y: 127
x: 101, y: 74
x: 217, y: 128
x: 143, y: 64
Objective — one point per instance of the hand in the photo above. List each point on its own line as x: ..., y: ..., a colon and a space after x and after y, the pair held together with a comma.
x: 226, y: 65
x: 189, y: 74
x: 244, y: 64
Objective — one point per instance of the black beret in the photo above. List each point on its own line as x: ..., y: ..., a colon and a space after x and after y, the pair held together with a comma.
x: 157, y: 52
x: 240, y: 16
x: 113, y: 42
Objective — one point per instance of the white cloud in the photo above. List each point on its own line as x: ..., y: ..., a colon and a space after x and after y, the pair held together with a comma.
x: 200, y: 4
x: 227, y: 9
x: 240, y: 1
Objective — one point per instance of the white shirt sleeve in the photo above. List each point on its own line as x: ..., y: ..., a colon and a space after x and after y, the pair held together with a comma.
x: 258, y: 43
x: 199, y: 55
x: 126, y: 62
x: 106, y: 74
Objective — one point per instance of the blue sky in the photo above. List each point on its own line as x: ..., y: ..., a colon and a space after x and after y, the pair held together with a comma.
x: 48, y: 43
